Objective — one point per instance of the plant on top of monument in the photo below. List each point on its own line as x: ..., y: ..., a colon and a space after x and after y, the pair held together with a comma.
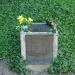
x: 24, y: 23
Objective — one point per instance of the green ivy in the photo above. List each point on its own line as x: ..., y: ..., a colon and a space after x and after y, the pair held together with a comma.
x: 63, y: 11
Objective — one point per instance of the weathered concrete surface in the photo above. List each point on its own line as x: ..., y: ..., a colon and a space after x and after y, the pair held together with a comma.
x: 4, y: 69
x: 38, y: 68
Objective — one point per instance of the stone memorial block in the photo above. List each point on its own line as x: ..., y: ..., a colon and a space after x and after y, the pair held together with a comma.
x: 40, y: 45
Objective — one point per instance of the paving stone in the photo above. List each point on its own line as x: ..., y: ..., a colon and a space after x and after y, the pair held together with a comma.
x: 4, y: 69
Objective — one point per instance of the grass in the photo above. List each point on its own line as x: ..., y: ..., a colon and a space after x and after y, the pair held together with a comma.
x: 63, y: 11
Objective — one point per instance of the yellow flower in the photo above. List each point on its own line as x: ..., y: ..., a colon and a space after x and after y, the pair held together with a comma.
x: 30, y: 20
x: 21, y: 19
x: 26, y: 20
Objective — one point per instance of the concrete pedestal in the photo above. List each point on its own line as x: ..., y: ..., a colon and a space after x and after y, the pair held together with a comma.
x: 39, y: 48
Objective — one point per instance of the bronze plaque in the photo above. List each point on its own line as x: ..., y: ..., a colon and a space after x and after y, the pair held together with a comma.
x: 39, y: 49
